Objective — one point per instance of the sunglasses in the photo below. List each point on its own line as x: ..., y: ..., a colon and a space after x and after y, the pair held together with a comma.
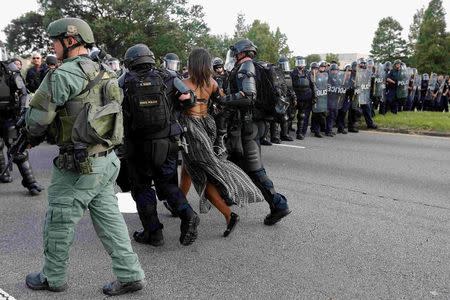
x: 36, y: 58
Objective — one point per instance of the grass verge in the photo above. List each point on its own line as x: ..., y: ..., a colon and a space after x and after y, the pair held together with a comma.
x: 415, y: 121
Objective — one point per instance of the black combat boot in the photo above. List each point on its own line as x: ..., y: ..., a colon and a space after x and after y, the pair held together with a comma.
x: 276, y: 214
x: 154, y: 238
x: 318, y: 135
x: 284, y: 135
x: 274, y: 133
x: 342, y: 130
x: 28, y: 181
x: 188, y: 227
x: 265, y: 142
x: 149, y: 219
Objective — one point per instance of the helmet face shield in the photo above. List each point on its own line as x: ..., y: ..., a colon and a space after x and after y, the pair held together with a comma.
x: 230, y: 60
x: 284, y: 65
x: 173, y: 65
x: 300, y: 62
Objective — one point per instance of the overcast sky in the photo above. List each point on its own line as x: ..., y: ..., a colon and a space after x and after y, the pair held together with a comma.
x: 344, y: 26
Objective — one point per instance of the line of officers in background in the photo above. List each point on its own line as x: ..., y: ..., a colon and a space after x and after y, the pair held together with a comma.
x: 324, y: 97
x: 328, y: 97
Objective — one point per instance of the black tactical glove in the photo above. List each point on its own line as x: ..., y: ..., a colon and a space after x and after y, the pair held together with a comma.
x: 32, y: 140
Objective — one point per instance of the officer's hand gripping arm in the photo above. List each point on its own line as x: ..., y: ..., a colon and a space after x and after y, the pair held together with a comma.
x: 184, y: 94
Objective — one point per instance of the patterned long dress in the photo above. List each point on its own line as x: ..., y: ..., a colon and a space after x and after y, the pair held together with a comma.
x: 204, y: 166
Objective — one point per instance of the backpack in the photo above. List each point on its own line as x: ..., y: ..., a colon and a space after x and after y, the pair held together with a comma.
x: 271, y: 89
x: 149, y: 106
x: 100, y: 124
x: 7, y: 99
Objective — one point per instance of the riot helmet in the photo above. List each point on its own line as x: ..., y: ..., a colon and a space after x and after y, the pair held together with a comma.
x: 313, y: 65
x: 51, y: 60
x: 362, y: 63
x: 12, y: 66
x: 347, y: 67
x: 322, y: 64
x: 334, y: 67
x: 425, y: 76
x: 217, y: 62
x: 137, y: 55
x: 300, y: 61
x: 354, y: 65
x: 74, y: 27
x: 171, y: 61
x: 97, y: 54
x: 387, y: 66
x: 370, y: 63
x: 246, y: 46
x: 283, y: 62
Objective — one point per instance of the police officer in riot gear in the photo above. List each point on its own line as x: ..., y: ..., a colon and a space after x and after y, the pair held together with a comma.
x: 304, y: 90
x: 391, y: 86
x: 245, y: 134
x: 364, y: 77
x: 354, y: 113
x: 319, y: 107
x: 13, y: 98
x: 386, y: 104
x: 346, y: 103
x: 152, y: 138
x: 171, y: 61
x: 287, y: 118
x: 217, y: 110
x: 220, y: 74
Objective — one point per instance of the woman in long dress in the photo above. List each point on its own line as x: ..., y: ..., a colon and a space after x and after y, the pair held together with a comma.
x: 219, y: 180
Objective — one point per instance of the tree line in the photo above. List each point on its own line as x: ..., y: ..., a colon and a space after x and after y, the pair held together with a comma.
x: 175, y: 26
x: 427, y: 47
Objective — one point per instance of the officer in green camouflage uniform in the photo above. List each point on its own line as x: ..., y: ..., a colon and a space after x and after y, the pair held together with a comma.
x: 86, y: 168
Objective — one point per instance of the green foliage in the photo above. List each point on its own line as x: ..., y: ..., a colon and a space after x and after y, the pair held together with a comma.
x: 415, y: 121
x: 312, y: 58
x: 281, y: 43
x: 433, y: 42
x: 259, y: 33
x: 26, y: 34
x: 332, y: 56
x: 240, y: 29
x: 164, y: 25
x: 414, y: 34
x: 387, y: 44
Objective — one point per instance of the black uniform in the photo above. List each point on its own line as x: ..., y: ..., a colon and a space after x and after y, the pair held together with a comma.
x: 304, y: 91
x: 13, y: 97
x: 245, y: 133
x: 152, y: 135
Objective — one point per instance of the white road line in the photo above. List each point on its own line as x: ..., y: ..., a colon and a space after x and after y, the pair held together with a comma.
x: 126, y: 203
x: 289, y: 146
x: 5, y: 296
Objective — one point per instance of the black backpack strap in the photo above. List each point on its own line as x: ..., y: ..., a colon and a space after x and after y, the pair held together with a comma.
x: 93, y: 82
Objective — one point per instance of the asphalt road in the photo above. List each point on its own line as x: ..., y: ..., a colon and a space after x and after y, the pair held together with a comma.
x: 371, y: 219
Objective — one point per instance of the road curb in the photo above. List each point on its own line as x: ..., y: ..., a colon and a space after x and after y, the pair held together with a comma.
x: 410, y: 131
